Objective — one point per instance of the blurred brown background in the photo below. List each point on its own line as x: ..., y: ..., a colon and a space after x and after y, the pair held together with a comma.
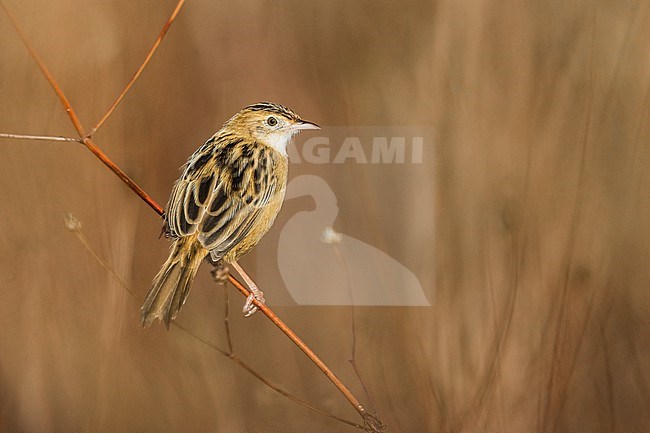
x: 529, y: 227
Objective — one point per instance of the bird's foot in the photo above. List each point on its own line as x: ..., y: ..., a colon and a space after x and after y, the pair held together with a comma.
x: 249, y: 307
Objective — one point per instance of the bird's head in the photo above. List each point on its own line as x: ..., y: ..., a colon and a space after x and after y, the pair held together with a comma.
x: 270, y: 124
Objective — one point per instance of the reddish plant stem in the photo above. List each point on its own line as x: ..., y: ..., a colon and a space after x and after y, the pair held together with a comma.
x: 302, y: 346
x: 90, y: 144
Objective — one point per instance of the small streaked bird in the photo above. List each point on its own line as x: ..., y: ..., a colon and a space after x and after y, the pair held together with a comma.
x: 229, y: 193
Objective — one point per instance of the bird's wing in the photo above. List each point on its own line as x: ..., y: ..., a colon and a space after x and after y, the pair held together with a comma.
x: 222, y: 197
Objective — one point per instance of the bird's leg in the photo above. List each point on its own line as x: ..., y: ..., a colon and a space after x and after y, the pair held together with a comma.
x: 249, y: 307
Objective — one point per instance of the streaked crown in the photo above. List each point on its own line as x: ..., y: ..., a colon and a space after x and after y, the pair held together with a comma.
x: 271, y: 107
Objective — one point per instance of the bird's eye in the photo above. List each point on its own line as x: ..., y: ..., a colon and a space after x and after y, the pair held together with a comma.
x: 272, y: 121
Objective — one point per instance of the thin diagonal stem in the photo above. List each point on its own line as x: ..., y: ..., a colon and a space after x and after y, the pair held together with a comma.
x: 73, y: 225
x: 50, y: 79
x: 90, y: 144
x: 135, y: 77
x: 302, y: 346
x: 291, y: 396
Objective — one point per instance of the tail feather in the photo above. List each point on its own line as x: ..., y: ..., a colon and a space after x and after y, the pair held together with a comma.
x: 173, y: 283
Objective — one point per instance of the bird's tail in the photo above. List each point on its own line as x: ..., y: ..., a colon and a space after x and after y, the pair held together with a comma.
x: 173, y: 283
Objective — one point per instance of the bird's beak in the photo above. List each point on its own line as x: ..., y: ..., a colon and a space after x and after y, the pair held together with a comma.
x: 304, y: 124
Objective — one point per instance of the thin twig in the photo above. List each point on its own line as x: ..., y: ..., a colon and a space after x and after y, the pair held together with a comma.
x: 217, y: 276
x: 353, y: 326
x: 90, y: 144
x: 50, y: 79
x: 135, y: 77
x: 242, y: 364
x: 291, y: 396
x: 39, y: 137
x: 73, y: 225
x: 302, y: 346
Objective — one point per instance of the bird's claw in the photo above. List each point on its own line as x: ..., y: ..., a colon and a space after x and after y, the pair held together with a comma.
x: 249, y: 307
